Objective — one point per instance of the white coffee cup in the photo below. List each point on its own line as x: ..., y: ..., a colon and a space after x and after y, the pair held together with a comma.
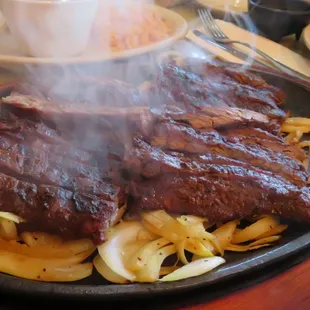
x: 52, y: 28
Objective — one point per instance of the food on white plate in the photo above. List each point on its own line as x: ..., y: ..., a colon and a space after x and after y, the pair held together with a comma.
x: 150, y: 183
x: 130, y: 25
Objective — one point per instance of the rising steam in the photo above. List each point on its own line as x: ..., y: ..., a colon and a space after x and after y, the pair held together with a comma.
x: 134, y: 70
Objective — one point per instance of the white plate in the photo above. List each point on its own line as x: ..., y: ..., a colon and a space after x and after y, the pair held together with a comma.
x: 10, y: 55
x: 238, y: 6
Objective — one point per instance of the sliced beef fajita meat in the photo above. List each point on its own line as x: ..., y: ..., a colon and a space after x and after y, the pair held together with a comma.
x: 87, y: 147
x: 188, y: 90
x: 222, y: 195
x: 203, y: 140
x: 25, y: 127
x: 56, y: 210
x: 219, y: 71
x: 82, y: 90
x: 40, y: 166
x: 56, y: 146
x: 74, y: 118
x: 292, y: 151
x: 211, y: 185
x: 81, y: 144
x: 145, y: 161
x: 261, y: 137
x: 225, y: 118
x: 183, y: 138
x: 252, y: 132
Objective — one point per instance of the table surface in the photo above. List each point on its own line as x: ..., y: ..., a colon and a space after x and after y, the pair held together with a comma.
x: 283, y: 287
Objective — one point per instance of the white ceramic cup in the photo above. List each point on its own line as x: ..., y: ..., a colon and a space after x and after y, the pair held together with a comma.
x: 51, y: 28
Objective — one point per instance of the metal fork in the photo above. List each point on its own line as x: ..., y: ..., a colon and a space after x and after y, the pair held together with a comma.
x: 219, y: 36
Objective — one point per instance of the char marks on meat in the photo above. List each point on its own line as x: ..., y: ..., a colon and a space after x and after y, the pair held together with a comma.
x: 220, y: 198
x: 35, y: 164
x: 195, y: 89
x: 57, y: 210
x: 183, y: 183
x: 181, y: 137
x: 72, y: 154
x: 205, y: 139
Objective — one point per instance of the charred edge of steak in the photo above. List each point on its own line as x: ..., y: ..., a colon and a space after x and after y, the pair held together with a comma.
x: 57, y: 210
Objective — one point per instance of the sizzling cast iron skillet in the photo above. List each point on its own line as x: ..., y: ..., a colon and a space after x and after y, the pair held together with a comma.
x: 296, y: 238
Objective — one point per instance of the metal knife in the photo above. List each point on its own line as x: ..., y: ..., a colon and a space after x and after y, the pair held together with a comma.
x: 227, y: 48
x: 243, y: 56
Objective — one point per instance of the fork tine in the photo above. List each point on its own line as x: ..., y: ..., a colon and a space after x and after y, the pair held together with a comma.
x: 208, y: 25
x: 217, y: 30
x: 205, y: 22
x: 214, y: 23
x: 211, y: 23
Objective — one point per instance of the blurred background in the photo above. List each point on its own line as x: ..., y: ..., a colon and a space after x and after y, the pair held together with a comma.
x: 283, y: 21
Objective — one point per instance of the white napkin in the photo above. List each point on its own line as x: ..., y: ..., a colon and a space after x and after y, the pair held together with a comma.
x: 277, y: 51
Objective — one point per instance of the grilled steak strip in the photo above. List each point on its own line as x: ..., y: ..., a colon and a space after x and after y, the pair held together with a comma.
x: 266, y: 139
x: 295, y: 153
x: 211, y: 186
x: 219, y: 71
x: 150, y: 162
x: 20, y: 126
x: 83, y: 146
x: 53, y: 209
x: 63, y: 148
x: 225, y: 118
x: 252, y: 133
x: 39, y: 166
x: 74, y: 118
x: 182, y: 138
x: 83, y: 91
x: 187, y: 86
x: 222, y: 198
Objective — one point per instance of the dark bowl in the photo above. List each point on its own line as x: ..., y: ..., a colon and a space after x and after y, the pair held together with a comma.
x: 275, y: 19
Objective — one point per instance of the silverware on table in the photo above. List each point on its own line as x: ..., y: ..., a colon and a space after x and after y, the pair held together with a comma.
x: 219, y: 36
x: 241, y: 55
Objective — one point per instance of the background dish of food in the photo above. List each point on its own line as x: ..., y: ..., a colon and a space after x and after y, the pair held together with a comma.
x: 10, y: 54
x: 32, y: 22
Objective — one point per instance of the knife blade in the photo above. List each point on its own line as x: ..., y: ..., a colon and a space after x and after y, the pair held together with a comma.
x: 229, y: 49
x: 243, y: 56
